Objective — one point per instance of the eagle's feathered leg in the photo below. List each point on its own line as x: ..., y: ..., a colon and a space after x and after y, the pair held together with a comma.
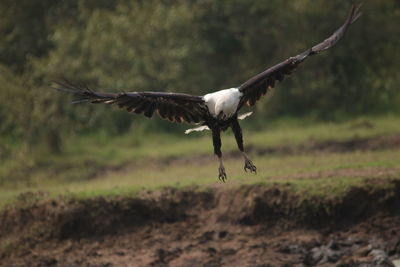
x: 248, y: 164
x: 216, y: 133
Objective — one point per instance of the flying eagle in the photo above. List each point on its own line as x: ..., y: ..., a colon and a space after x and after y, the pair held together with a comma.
x: 214, y: 111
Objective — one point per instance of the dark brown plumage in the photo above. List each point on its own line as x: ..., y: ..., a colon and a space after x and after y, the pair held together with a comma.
x: 171, y: 106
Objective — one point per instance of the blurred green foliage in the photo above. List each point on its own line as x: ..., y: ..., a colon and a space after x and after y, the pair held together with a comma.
x: 194, y: 46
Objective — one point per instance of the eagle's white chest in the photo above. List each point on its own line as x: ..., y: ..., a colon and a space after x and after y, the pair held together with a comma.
x: 223, y: 104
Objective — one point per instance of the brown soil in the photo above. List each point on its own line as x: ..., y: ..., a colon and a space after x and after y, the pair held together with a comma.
x: 391, y: 141
x: 376, y: 172
x: 245, y: 226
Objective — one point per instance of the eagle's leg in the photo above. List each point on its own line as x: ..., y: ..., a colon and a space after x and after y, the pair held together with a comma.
x: 216, y: 133
x: 248, y: 164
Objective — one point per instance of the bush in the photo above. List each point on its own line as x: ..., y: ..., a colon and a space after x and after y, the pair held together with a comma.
x: 189, y: 46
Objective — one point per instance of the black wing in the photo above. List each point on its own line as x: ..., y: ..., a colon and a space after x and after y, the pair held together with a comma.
x: 172, y: 106
x: 258, y: 85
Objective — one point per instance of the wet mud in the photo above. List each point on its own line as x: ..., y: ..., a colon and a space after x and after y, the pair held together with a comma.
x: 243, y: 226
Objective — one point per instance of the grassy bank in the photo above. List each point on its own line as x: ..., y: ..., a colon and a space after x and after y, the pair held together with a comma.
x: 103, y: 165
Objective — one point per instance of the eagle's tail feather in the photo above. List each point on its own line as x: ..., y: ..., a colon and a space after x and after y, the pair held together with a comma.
x: 197, y: 129
x: 244, y: 115
x: 204, y: 127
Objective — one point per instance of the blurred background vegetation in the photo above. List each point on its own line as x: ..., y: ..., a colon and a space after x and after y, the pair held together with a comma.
x: 191, y: 46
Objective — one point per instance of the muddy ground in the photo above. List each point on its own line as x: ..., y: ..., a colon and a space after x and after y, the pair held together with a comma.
x: 221, y: 226
x: 244, y: 226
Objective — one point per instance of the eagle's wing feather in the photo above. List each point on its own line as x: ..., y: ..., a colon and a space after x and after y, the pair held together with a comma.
x: 258, y: 85
x: 172, y: 106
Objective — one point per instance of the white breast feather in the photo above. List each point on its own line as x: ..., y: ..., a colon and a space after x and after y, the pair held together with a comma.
x: 225, y: 101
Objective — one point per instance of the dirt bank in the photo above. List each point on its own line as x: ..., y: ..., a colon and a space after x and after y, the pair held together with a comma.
x: 246, y: 226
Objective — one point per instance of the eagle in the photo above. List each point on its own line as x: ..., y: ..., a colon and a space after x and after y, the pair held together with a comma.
x: 215, y: 111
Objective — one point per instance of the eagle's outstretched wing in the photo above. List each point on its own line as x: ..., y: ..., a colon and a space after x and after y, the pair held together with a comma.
x: 172, y: 106
x: 258, y: 85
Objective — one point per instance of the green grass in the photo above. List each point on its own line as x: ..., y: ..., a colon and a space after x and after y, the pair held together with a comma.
x: 129, y: 147
x: 100, y: 165
x: 271, y: 170
x: 298, y: 131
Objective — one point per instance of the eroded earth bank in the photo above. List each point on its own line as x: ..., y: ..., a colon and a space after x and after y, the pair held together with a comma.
x: 255, y: 225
